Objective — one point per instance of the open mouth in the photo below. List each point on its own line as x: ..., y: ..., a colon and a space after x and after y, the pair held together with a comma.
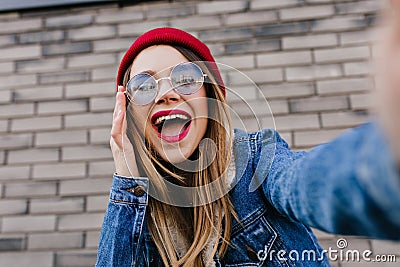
x: 171, y: 125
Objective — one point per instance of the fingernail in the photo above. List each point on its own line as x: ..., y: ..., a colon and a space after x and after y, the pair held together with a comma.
x: 120, y: 88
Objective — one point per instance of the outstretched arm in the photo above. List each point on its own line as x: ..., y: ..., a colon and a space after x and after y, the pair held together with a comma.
x: 348, y: 186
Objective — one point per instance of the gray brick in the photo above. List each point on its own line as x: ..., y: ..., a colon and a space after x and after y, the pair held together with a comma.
x: 57, y: 205
x: 76, y: 259
x: 17, y: 81
x: 97, y: 203
x: 92, y: 60
x: 293, y: 122
x: 120, y: 16
x: 12, y: 243
x: 308, y: 12
x: 36, y: 124
x: 309, y: 41
x: 13, y: 207
x: 360, y: 101
x: 28, y: 223
x: 55, y: 241
x: 20, y: 52
x: 104, y: 74
x: 165, y: 10
x: 32, y: 155
x: 41, y: 37
x: 357, y: 37
x: 16, y: 110
x: 100, y: 136
x: 282, y: 29
x: 138, y: 28
x: 88, y: 120
x: 3, y: 125
x: 256, y: 108
x: 90, y: 89
x: 115, y: 44
x: 197, y: 23
x: 258, y: 76
x: 86, y: 221
x: 59, y: 171
x: 27, y: 259
x: 31, y: 189
x: 252, y: 18
x: 288, y: 90
x: 342, y: 54
x: 344, y: 86
x: 67, y: 48
x: 69, y: 21
x: 92, y: 239
x: 241, y: 94
x: 343, y: 119
x: 21, y: 25
x: 92, y: 32
x: 39, y: 93
x: 101, y: 168
x: 15, y: 141
x: 262, y: 4
x: 62, y: 107
x: 6, y: 67
x: 86, y: 153
x: 316, y: 104
x: 64, y: 77
x: 360, y: 7
x: 221, y: 7
x: 284, y: 59
x: 5, y: 96
x: 357, y: 68
x: 312, y: 138
x: 253, y: 46
x: 313, y: 72
x: 7, y: 40
x: 85, y: 186
x: 13, y: 173
x: 382, y: 247
x: 226, y: 34
x: 238, y: 62
x: 102, y: 103
x: 40, y: 65
x: 73, y: 137
x: 339, y: 24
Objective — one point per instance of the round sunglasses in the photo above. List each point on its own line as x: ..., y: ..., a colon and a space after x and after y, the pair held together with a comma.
x: 186, y: 78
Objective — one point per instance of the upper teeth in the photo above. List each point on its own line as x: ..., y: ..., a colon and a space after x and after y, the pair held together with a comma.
x: 171, y: 117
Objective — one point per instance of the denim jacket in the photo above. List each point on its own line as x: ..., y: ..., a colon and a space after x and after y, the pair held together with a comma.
x: 348, y: 186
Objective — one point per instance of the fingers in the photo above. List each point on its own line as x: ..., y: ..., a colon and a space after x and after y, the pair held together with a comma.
x: 118, y: 117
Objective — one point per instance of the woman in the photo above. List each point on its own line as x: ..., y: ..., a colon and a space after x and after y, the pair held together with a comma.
x: 185, y: 189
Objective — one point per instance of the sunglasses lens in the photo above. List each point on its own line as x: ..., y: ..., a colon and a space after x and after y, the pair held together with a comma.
x: 187, y: 78
x: 142, y: 89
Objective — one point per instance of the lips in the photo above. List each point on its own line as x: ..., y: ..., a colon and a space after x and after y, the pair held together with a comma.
x: 171, y: 125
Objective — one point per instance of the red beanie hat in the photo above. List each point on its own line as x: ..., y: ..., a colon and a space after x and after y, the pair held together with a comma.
x: 169, y: 36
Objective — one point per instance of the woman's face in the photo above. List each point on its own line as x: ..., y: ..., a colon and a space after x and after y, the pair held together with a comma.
x: 173, y: 123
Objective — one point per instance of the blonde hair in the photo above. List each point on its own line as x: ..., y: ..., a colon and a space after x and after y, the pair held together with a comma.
x: 201, y: 223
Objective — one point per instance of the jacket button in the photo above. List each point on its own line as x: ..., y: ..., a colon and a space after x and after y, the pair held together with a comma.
x: 138, y: 190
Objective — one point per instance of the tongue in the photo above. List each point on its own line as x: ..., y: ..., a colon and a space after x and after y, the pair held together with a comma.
x: 173, y: 128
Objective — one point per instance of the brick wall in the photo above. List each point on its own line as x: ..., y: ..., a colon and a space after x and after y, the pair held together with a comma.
x: 57, y: 70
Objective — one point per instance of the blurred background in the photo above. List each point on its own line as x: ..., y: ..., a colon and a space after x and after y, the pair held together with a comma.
x: 58, y: 62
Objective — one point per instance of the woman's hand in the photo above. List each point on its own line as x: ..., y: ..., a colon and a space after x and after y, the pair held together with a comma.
x: 121, y: 147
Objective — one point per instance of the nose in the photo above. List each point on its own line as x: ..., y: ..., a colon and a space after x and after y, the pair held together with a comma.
x: 166, y: 93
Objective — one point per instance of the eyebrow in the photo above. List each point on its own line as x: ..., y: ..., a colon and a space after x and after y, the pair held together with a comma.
x: 150, y: 72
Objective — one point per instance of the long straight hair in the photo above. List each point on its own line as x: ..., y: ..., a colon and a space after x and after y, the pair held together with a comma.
x: 204, y: 224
